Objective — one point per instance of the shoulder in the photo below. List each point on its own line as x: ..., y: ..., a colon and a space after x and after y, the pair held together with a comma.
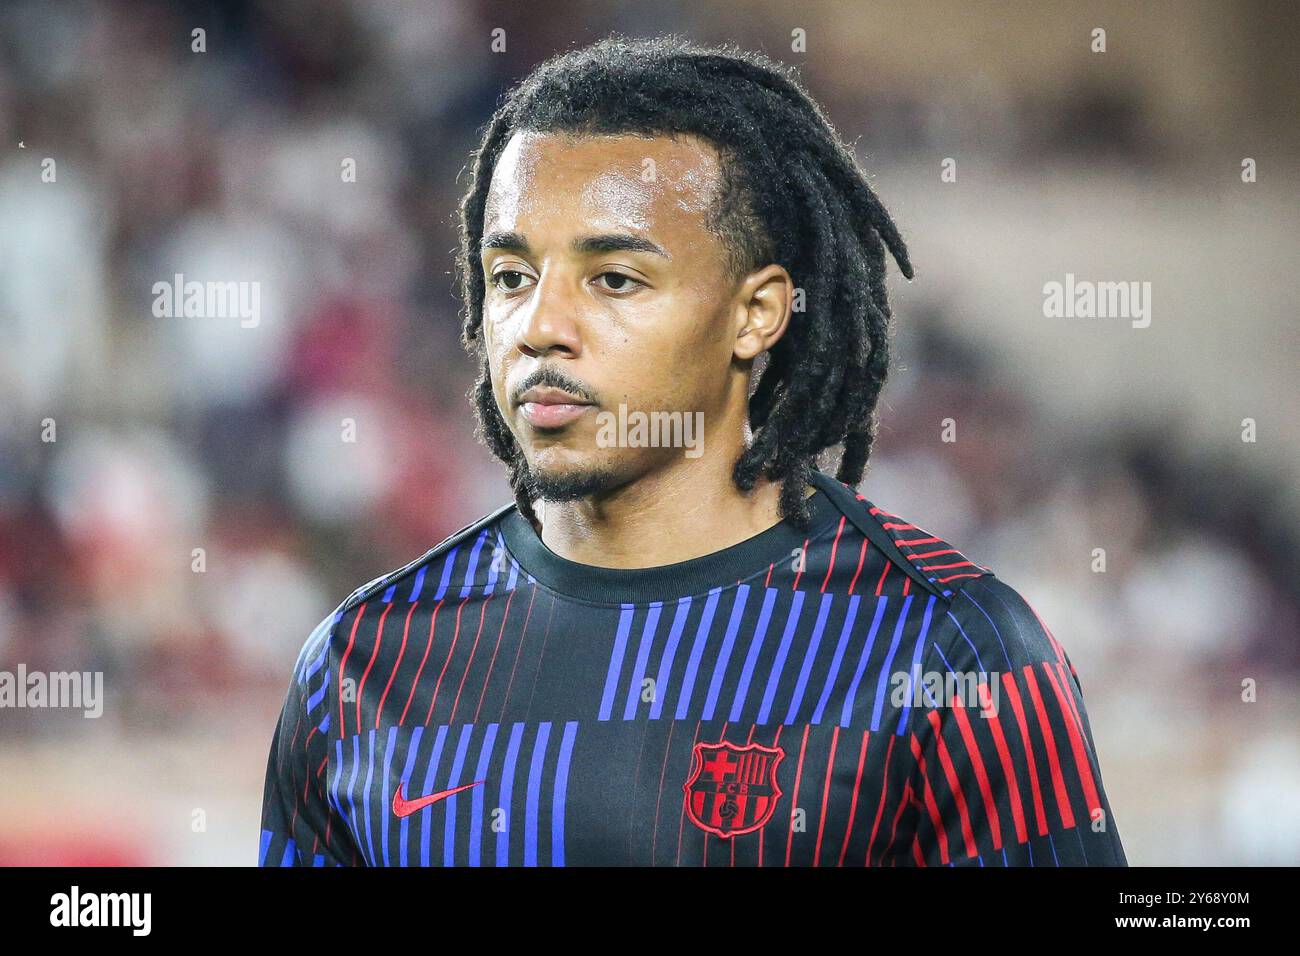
x: 927, y: 560
x: 991, y: 618
x: 390, y: 580
x: 409, y: 578
x: 979, y: 625
x: 409, y: 571
x: 977, y: 616
x: 943, y: 566
x: 983, y: 615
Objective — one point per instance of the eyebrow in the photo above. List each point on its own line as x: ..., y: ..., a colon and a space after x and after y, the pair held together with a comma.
x: 585, y: 245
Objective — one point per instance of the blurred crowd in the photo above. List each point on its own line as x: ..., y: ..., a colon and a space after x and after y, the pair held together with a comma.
x: 177, y: 509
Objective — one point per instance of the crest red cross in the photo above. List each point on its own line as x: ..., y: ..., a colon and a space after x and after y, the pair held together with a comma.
x: 732, y: 789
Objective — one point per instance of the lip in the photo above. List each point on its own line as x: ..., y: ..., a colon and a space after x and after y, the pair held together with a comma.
x: 544, y: 415
x: 549, y: 395
x: 548, y: 407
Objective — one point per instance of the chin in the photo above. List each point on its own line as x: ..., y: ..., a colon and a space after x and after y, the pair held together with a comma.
x: 571, y: 481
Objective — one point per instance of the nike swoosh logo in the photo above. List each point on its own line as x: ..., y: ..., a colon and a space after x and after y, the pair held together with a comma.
x: 404, y: 808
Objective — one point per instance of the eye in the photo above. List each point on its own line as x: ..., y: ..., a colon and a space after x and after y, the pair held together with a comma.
x: 623, y: 283
x: 514, y: 285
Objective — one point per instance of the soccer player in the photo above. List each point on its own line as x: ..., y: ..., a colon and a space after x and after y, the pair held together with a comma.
x: 682, y: 643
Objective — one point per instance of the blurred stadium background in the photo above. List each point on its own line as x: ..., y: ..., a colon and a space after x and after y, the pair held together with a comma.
x: 1074, y: 434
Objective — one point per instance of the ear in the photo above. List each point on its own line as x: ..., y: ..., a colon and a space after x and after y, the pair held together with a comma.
x: 763, y: 303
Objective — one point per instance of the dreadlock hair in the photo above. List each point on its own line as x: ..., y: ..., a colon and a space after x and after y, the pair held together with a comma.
x: 790, y: 192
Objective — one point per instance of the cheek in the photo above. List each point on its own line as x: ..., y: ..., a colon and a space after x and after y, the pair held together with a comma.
x: 497, y: 366
x: 673, y: 360
x: 696, y: 330
x: 491, y: 329
x: 496, y: 340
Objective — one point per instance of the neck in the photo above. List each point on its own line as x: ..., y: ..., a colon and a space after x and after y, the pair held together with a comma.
x: 684, y: 511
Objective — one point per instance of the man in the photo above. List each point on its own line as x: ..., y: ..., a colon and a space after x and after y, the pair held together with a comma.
x: 682, y: 643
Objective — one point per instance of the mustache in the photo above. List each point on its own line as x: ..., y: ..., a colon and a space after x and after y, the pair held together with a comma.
x: 549, y: 376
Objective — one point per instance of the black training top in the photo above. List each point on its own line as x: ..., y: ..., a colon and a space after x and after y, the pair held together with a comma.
x: 861, y: 694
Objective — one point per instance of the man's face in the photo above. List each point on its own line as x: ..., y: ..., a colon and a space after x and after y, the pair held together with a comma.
x: 602, y: 281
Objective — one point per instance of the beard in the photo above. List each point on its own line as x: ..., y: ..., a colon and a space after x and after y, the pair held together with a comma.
x: 569, y: 484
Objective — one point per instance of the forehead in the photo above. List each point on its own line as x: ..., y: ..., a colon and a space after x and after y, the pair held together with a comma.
x: 618, y: 181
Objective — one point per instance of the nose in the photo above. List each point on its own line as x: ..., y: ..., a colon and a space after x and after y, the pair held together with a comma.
x: 549, y: 322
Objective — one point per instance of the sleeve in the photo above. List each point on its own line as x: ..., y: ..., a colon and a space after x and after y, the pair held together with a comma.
x: 1005, y: 770
x: 299, y: 826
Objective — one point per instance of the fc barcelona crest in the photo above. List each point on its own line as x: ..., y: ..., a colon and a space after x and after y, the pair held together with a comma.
x: 732, y: 789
